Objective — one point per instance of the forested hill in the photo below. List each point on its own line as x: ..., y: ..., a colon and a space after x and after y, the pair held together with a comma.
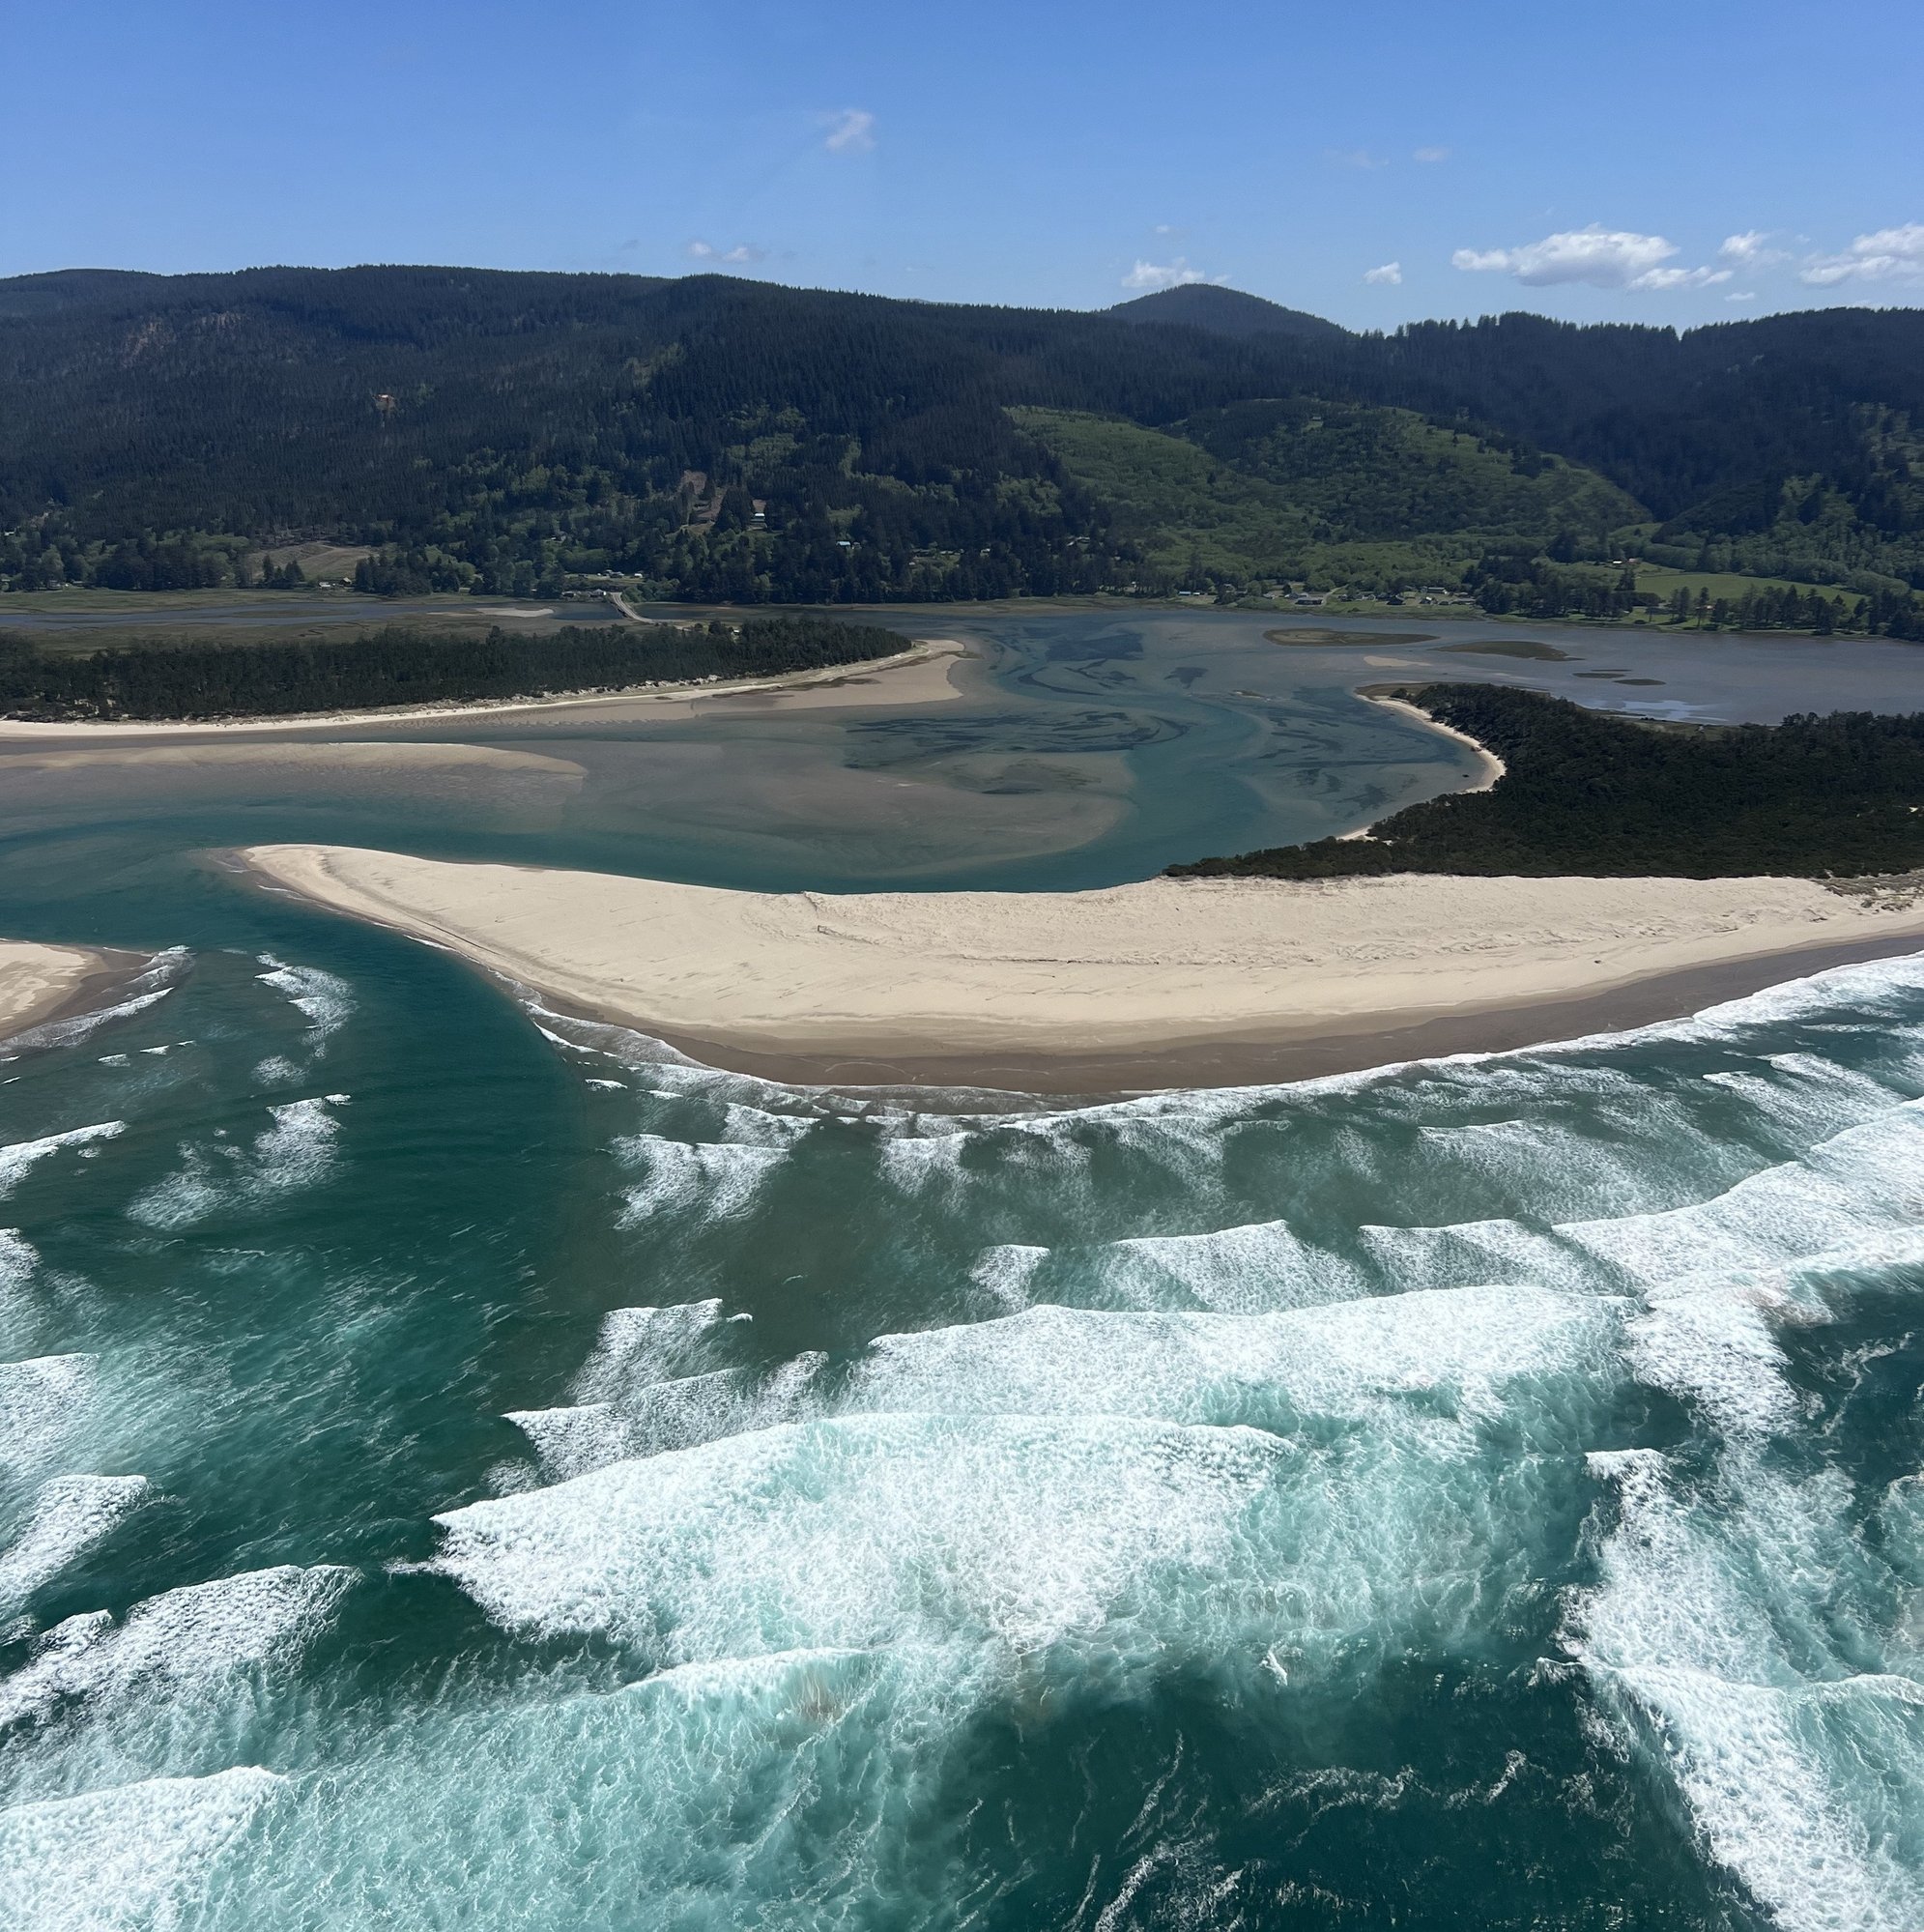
x: 720, y: 438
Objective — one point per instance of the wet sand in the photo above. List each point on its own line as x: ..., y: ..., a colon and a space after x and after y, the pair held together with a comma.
x: 1161, y: 984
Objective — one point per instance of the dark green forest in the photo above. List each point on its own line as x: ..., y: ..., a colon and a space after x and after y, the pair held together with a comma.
x: 726, y: 440
x: 1605, y: 796
x: 401, y: 665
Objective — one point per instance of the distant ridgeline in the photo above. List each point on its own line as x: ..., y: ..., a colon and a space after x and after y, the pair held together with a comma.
x: 400, y: 666
x: 1591, y: 794
x: 731, y: 440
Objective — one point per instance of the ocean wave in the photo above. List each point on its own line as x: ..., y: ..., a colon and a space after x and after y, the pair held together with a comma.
x: 1721, y: 1634
x: 295, y: 1152
x: 41, y: 1402
x: 69, y: 1515
x: 324, y: 999
x: 22, y: 1157
x: 136, y: 1858
x: 1137, y: 1541
x: 183, y: 1646
x: 637, y: 1346
x: 680, y: 1178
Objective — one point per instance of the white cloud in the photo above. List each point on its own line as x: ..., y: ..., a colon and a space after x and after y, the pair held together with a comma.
x: 852, y: 132
x: 1429, y: 157
x: 1742, y: 295
x: 1166, y: 274
x: 1391, y: 273
x: 1682, y: 278
x: 742, y: 252
x: 1890, y: 254
x: 1354, y: 157
x: 1600, y: 257
x: 1750, y: 249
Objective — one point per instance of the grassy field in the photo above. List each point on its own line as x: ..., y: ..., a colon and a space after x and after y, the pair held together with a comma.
x: 1729, y: 584
x: 83, y: 620
x: 1295, y: 490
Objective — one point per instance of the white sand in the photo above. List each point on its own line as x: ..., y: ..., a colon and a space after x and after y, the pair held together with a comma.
x: 920, y: 676
x: 1155, y: 965
x: 37, y: 981
x: 1490, y: 767
x: 348, y: 756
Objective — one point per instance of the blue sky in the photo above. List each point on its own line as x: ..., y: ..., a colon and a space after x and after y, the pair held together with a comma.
x: 1374, y: 161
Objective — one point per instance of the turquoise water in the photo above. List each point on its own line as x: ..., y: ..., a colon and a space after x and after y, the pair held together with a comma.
x: 462, y: 1466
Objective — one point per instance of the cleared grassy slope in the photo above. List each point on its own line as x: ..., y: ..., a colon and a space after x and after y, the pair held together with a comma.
x: 1299, y: 488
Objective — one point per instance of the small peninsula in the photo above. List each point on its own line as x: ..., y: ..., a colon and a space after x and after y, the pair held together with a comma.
x: 1581, y: 793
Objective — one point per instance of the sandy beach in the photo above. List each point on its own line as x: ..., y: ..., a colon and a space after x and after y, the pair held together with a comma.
x: 923, y: 675
x: 41, y: 982
x: 1165, y: 983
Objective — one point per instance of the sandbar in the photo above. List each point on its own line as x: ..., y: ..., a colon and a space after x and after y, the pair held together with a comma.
x: 1166, y: 983
x: 923, y: 675
x: 40, y: 984
x: 351, y: 755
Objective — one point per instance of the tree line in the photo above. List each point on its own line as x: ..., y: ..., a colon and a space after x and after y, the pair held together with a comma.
x: 1590, y: 794
x: 402, y: 665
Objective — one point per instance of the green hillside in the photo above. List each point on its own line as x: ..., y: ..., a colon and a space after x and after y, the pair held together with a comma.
x: 722, y: 440
x: 1302, y: 488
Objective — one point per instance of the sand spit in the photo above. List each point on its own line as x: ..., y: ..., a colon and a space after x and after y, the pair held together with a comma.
x: 1170, y: 981
x: 920, y: 676
x: 40, y: 984
x: 351, y: 757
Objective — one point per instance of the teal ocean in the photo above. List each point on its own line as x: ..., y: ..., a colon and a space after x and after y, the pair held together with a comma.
x: 465, y: 1466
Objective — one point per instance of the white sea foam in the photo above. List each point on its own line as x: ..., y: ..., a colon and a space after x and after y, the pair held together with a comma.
x: 324, y: 999
x: 41, y: 1402
x: 184, y: 1644
x: 641, y: 1345
x: 1473, y: 1252
x: 296, y: 1151
x: 20, y: 1158
x: 1712, y: 1630
x: 133, y: 1859
x: 575, y: 1440
x: 1361, y: 1358
x: 716, y: 1177
x: 1260, y: 1266
x: 18, y: 1259
x: 1716, y: 1350
x: 1136, y: 1541
x: 69, y: 1515
x: 864, y: 1531
x: 765, y: 1790
x: 1003, y: 1273
x: 1860, y: 1181
x: 676, y: 1414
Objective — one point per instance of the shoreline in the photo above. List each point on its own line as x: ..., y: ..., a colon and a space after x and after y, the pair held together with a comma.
x: 1167, y: 983
x: 1490, y: 767
x: 924, y: 651
x: 43, y: 985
